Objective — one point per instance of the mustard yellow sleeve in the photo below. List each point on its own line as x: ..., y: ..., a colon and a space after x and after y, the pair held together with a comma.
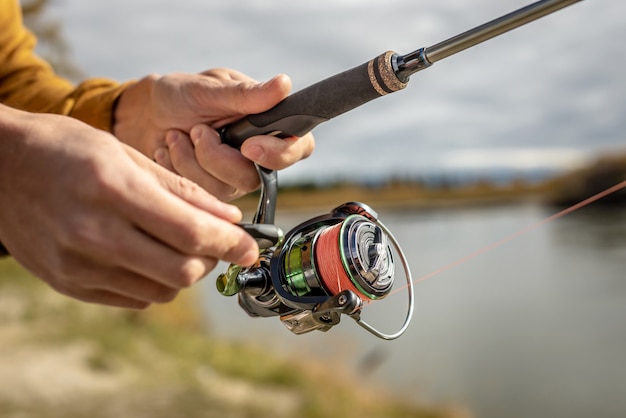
x: 29, y: 83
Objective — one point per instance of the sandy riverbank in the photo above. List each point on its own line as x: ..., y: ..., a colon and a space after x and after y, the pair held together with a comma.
x: 61, y: 358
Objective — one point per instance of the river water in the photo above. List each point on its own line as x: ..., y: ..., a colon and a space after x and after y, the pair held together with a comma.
x: 533, y: 328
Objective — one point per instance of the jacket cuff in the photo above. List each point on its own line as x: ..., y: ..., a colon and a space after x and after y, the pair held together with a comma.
x: 94, y: 102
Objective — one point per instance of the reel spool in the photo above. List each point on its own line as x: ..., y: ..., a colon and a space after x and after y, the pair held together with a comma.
x: 352, y: 254
x: 324, y: 267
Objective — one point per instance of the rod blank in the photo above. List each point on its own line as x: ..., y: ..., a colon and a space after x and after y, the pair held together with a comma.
x: 494, y: 28
x: 389, y: 72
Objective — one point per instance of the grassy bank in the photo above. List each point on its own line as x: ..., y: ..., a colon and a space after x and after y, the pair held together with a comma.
x: 561, y: 190
x: 62, y: 358
x: 406, y: 195
x: 601, y: 174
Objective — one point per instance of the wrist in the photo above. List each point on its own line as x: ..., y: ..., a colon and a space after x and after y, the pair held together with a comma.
x: 13, y: 126
x: 133, y: 122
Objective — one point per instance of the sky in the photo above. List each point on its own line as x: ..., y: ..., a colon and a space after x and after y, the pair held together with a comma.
x: 551, y: 94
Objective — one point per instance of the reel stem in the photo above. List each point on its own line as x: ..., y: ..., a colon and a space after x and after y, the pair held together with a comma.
x: 266, y: 209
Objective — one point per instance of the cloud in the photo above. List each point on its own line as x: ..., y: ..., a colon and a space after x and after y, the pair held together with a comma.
x: 555, y: 84
x: 515, y: 159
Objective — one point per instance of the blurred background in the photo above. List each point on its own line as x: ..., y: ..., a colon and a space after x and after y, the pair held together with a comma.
x: 477, y: 148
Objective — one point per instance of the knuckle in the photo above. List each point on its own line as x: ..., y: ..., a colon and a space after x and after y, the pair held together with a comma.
x: 289, y: 151
x: 309, y: 148
x: 66, y: 271
x: 192, y: 237
x: 239, y: 184
x: 302, y: 149
x: 238, y: 249
x: 101, y: 184
x: 181, y: 157
x: 166, y: 295
x: 186, y: 277
x: 79, y: 235
x: 64, y: 274
x: 247, y: 185
x: 76, y: 234
x: 223, y: 191
x: 241, y: 102
x: 189, y: 272
x: 186, y: 187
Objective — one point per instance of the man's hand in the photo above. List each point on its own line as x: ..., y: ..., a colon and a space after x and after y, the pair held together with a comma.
x: 174, y: 118
x: 100, y: 222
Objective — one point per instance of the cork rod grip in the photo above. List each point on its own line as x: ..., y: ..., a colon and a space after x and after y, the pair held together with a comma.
x: 302, y: 111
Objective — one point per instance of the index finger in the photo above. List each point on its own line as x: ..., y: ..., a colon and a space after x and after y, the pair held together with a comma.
x: 169, y: 217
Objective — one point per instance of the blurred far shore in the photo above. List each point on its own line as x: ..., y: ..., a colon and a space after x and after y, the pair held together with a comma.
x: 559, y: 188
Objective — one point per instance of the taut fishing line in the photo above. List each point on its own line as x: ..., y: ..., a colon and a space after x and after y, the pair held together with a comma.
x: 519, y: 233
x: 336, y: 263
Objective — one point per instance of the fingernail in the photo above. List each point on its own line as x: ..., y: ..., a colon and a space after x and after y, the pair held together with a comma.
x: 171, y: 137
x: 160, y: 155
x: 252, y: 255
x: 271, y: 80
x: 266, y: 82
x: 253, y: 152
x: 195, y: 134
x: 234, y: 213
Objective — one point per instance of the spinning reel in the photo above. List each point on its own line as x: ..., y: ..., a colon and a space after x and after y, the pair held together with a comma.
x: 325, y: 267
x: 332, y: 264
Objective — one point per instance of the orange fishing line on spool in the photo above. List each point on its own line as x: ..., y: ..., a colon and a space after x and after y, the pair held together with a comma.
x: 331, y: 270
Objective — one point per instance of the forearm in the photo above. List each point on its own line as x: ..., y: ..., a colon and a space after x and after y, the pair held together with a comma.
x: 29, y: 83
x: 37, y: 91
x: 12, y: 130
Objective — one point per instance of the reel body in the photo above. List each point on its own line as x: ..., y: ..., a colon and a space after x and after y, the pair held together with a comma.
x: 323, y: 268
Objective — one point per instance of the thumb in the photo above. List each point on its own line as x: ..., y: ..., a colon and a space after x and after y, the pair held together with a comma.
x: 250, y: 98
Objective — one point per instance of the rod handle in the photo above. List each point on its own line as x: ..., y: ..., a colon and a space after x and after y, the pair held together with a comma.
x: 302, y: 111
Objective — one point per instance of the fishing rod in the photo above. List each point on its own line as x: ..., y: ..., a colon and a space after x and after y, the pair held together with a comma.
x: 387, y: 73
x: 337, y: 262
